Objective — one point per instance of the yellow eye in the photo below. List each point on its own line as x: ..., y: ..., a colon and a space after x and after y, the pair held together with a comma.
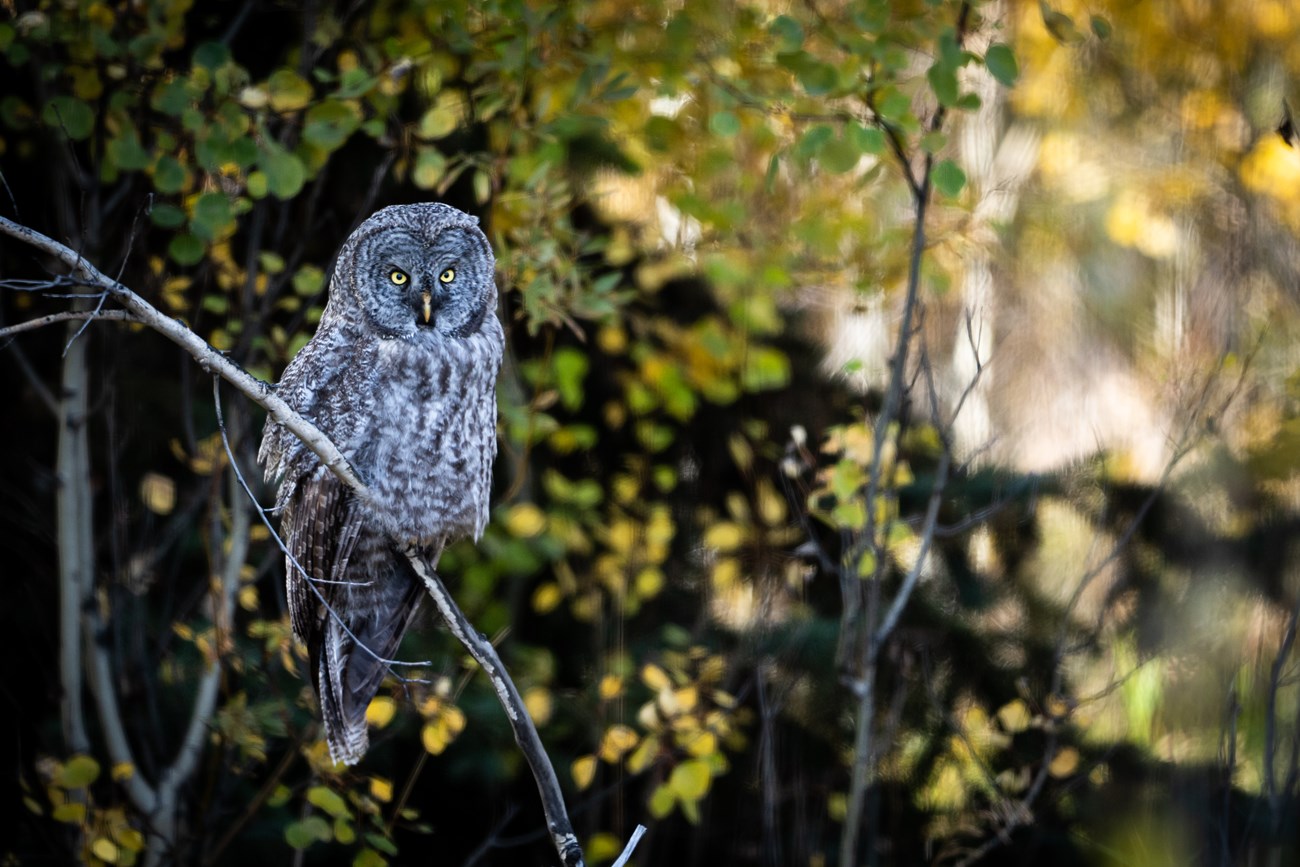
x: 447, y: 276
x: 398, y: 277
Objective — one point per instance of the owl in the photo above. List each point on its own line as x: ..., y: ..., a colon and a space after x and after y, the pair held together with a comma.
x: 401, y: 375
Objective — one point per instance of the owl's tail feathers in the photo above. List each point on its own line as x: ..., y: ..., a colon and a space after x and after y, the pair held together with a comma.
x: 348, y: 676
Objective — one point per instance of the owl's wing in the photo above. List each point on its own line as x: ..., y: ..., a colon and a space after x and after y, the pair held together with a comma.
x: 320, y: 526
x: 361, y: 592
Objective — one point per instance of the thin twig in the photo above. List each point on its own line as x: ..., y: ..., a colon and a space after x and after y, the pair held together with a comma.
x: 67, y: 316
x: 631, y: 844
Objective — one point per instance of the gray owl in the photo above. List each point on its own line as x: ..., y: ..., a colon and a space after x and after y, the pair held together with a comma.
x: 401, y: 376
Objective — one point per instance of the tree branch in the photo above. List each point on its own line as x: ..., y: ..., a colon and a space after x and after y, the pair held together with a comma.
x: 548, y: 786
x: 208, y: 358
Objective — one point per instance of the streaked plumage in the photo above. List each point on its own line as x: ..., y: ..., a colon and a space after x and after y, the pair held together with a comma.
x: 403, y: 382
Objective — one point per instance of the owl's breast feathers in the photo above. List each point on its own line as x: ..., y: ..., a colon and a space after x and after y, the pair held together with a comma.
x: 430, y: 455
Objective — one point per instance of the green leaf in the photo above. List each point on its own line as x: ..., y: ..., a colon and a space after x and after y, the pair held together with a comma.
x: 788, y: 32
x: 169, y: 176
x: 167, y: 216
x: 1060, y: 25
x: 765, y: 368
x: 819, y: 79
x: 211, y: 55
x: 369, y: 858
x: 354, y: 82
x: 258, y: 185
x: 933, y: 142
x: 690, y: 780
x: 948, y: 178
x: 1001, y: 63
x: 126, y: 152
x: 442, y: 119
x: 285, y: 173
x: 212, y: 215
x: 328, y: 800
x: 304, y: 832
x: 838, y: 156
x: 185, y: 249
x: 570, y: 368
x: 724, y: 123
x: 172, y: 98
x: 328, y: 124
x: 773, y: 166
x: 217, y: 304
x: 72, y: 116
x: 867, y: 139
x: 79, y: 772
x: 383, y: 844
x: 943, y: 81
x: 288, y: 91
x: 661, y: 802
x: 430, y: 167
x: 893, y: 105
x: 813, y: 140
x: 308, y: 281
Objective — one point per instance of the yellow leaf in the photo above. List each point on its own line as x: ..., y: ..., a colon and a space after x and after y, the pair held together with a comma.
x: 525, y: 520
x: 434, y: 737
x: 1065, y: 762
x: 1014, y: 716
x: 289, y: 91
x: 611, y: 686
x: 649, y: 581
x: 105, y: 850
x: 539, y: 704
x: 611, y: 339
x: 454, y: 718
x: 654, y: 677
x: 130, y: 839
x: 724, y: 536
x: 618, y: 740
x: 158, y: 493
x: 248, y: 597
x: 690, y: 780
x: 686, y: 698
x: 73, y: 813
x: 661, y: 802
x: 837, y: 806
x: 622, y: 535
x: 546, y: 597
x: 698, y: 744
x: 583, y: 771
x: 643, y: 755
x: 381, y: 710
x: 79, y: 772
x: 604, y: 846
x: 726, y: 572
x: 381, y: 789
x: 122, y: 771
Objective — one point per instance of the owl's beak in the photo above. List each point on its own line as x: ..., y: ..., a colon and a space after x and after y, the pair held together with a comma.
x: 427, y: 300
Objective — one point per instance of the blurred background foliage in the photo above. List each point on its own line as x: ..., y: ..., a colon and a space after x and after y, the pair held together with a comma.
x: 704, y: 216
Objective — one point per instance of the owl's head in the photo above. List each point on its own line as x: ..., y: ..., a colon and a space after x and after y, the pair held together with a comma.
x: 413, y: 267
